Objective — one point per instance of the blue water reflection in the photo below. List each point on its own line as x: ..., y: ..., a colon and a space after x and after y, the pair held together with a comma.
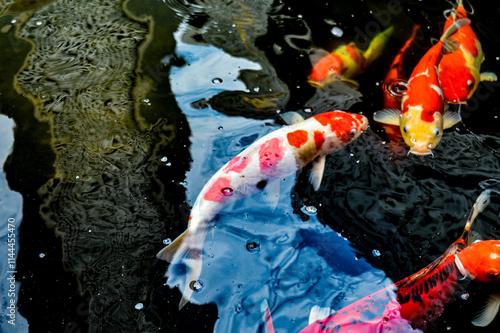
x: 255, y: 252
x: 11, y: 203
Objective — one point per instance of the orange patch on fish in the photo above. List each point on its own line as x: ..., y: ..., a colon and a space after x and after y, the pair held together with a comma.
x: 340, y: 128
x: 220, y: 190
x: 319, y: 139
x: 297, y: 138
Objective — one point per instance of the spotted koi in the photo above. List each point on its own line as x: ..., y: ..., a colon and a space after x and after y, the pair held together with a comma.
x: 261, y: 166
x: 459, y: 71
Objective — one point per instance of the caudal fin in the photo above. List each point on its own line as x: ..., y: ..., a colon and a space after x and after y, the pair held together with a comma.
x: 186, y: 249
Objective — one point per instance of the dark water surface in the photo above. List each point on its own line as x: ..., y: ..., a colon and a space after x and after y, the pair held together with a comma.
x: 123, y: 112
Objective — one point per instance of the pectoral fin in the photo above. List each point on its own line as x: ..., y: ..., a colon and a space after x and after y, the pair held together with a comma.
x: 486, y: 315
x: 271, y: 194
x: 319, y: 313
x: 387, y: 116
x: 489, y: 76
x: 291, y: 117
x: 316, y: 175
x: 450, y: 119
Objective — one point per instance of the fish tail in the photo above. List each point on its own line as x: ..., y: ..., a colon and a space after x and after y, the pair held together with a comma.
x: 377, y: 45
x: 186, y: 249
x: 454, y: 28
x: 481, y: 203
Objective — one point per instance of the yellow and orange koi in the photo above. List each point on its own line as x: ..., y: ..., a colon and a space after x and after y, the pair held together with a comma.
x: 459, y: 71
x: 348, y: 61
x: 421, y: 117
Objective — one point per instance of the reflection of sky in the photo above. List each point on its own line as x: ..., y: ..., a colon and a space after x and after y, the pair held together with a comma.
x: 298, y: 264
x: 10, y: 207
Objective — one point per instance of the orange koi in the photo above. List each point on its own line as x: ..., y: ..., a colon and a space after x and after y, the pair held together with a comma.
x: 459, y: 71
x: 418, y: 300
x: 421, y: 117
x: 348, y: 61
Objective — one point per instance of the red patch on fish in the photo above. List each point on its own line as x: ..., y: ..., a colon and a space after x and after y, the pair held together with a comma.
x: 341, y: 123
x: 270, y: 153
x: 220, y: 190
x: 297, y: 138
x: 319, y: 139
x: 237, y: 164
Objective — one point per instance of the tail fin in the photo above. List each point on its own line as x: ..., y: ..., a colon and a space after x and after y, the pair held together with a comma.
x: 377, y: 45
x: 187, y: 248
x: 454, y: 28
x: 482, y: 201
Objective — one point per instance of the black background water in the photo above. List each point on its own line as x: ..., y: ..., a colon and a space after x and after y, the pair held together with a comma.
x: 207, y: 60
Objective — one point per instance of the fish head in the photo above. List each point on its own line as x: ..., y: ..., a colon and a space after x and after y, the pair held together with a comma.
x: 421, y: 135
x: 340, y: 128
x: 329, y: 68
x: 480, y: 261
x: 344, y: 63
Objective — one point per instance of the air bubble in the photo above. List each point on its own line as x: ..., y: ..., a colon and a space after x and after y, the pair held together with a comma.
x: 41, y: 255
x: 220, y: 128
x: 309, y: 210
x: 376, y: 253
x: 307, y: 110
x: 465, y: 296
x: 253, y: 246
x: 217, y: 80
x: 336, y: 31
x: 238, y: 308
x: 227, y: 191
x: 164, y: 159
x: 167, y: 241
x: 139, y: 306
x: 196, y: 285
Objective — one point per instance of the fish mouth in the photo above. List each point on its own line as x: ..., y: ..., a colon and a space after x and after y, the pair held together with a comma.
x: 421, y: 152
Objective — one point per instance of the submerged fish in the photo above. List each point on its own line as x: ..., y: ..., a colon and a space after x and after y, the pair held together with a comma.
x: 411, y: 304
x: 394, y: 85
x: 421, y: 117
x: 459, y: 71
x: 347, y: 61
x: 261, y: 166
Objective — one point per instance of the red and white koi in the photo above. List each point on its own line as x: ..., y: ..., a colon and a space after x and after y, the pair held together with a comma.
x: 348, y: 61
x: 459, y: 71
x: 421, y: 118
x: 417, y: 301
x: 261, y: 166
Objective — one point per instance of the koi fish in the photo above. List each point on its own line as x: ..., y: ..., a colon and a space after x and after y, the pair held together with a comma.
x: 459, y: 71
x: 421, y: 117
x: 418, y: 300
x: 347, y: 61
x: 395, y: 85
x: 261, y: 166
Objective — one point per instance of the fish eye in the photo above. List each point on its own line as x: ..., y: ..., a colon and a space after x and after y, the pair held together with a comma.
x: 470, y: 83
x: 430, y: 145
x: 413, y: 140
x: 352, y: 132
x: 406, y: 128
x: 492, y: 273
x: 436, y: 132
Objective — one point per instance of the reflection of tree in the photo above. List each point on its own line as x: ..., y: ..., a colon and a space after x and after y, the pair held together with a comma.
x: 104, y: 197
x: 233, y: 27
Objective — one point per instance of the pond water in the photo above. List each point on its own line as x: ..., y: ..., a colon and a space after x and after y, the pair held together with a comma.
x: 115, y: 115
